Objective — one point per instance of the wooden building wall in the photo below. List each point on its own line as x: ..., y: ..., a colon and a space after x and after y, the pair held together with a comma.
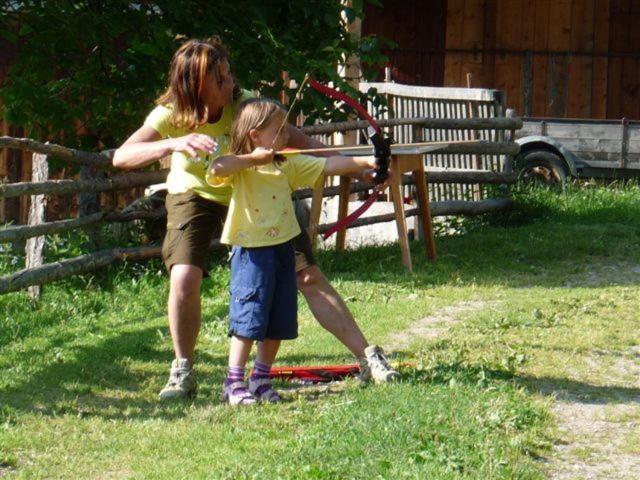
x: 418, y: 29
x: 557, y: 58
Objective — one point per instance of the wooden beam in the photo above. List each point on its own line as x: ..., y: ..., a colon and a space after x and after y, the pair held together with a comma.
x: 438, y: 209
x: 67, y: 187
x: 70, y: 155
x: 433, y: 177
x: 494, y: 123
x: 20, y: 232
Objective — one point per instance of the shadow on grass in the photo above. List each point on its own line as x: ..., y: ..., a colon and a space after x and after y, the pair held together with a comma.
x: 446, y: 373
x: 106, y: 380
x: 545, y: 254
x: 580, y: 392
x: 103, y: 380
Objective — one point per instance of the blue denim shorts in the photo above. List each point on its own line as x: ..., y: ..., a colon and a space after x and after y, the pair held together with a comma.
x: 264, y: 301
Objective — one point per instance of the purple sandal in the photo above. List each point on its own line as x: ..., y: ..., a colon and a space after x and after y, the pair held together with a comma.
x: 263, y: 391
x: 236, y: 393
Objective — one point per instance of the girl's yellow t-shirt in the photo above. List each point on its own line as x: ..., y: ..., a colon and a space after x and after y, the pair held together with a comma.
x: 261, y: 212
x: 188, y: 173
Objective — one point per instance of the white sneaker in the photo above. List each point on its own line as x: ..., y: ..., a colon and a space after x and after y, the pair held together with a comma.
x: 182, y: 381
x: 375, y: 366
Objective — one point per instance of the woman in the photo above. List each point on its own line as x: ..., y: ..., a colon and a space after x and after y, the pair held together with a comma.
x: 193, y: 118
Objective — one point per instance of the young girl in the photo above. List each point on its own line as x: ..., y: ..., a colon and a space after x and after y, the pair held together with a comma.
x: 260, y: 225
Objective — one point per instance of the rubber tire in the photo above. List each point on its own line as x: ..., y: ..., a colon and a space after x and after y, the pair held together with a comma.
x: 542, y: 167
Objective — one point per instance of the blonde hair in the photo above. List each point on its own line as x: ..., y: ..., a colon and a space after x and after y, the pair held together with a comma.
x: 255, y: 113
x: 190, y: 65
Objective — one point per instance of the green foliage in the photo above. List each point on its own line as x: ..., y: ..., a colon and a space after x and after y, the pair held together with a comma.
x: 86, y: 72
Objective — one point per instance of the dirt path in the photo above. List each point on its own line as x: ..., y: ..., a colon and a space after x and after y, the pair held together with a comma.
x: 599, y: 425
x: 432, y: 326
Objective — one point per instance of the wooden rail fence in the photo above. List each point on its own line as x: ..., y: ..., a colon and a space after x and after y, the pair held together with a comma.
x: 36, y: 273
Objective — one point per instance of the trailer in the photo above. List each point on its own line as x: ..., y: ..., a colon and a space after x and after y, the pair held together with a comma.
x: 554, y: 149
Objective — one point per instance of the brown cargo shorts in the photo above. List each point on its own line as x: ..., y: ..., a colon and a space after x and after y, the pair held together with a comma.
x: 193, y: 222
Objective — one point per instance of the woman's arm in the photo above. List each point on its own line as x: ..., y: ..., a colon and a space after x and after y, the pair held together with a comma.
x: 227, y: 165
x: 145, y: 147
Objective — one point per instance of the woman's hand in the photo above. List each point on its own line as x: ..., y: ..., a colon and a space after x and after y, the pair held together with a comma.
x: 193, y: 143
x: 262, y: 156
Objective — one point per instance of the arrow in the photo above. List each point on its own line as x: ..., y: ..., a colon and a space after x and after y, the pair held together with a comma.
x: 362, y: 150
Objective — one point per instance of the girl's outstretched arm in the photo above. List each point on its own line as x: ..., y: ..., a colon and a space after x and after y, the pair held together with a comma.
x: 227, y: 165
x: 340, y: 165
x: 299, y: 140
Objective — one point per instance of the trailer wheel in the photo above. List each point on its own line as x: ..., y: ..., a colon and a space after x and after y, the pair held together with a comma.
x: 541, y: 167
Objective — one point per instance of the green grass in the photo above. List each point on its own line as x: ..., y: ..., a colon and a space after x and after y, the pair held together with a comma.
x: 556, y: 286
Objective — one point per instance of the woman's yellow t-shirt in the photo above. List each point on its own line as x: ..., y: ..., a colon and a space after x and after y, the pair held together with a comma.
x: 261, y: 212
x: 188, y: 173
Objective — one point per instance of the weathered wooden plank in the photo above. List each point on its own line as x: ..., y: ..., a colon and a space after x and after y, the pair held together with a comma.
x: 21, y: 232
x: 634, y: 146
x: 509, y: 37
x: 559, y: 41
x: 581, y: 67
x: 558, y: 85
x: 563, y: 130
x: 540, y: 62
x: 52, y: 272
x: 577, y: 145
x: 631, y: 88
x: 600, y: 63
x: 624, y: 149
x: 65, y: 187
x: 441, y: 93
x: 618, y: 42
x: 613, y: 162
x: 37, y: 211
x: 528, y: 45
x: 489, y: 41
x: 473, y: 28
x: 631, y: 66
x: 71, y: 155
x: 560, y: 25
x: 454, y: 35
x: 634, y: 132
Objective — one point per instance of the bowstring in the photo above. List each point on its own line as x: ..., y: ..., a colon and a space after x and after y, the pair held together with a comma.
x: 286, y: 117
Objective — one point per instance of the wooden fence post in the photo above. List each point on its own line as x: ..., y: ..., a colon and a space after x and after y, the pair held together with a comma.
x: 477, y: 161
x: 417, y: 135
x: 37, y: 210
x: 507, y: 165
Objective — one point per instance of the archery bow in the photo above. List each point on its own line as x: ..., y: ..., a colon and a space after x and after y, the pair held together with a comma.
x: 381, y: 146
x: 381, y: 152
